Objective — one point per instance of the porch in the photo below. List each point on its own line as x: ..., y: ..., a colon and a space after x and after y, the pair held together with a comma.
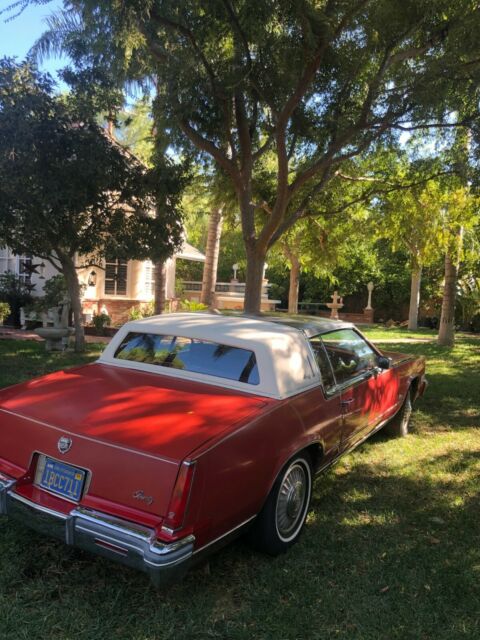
x: 228, y: 295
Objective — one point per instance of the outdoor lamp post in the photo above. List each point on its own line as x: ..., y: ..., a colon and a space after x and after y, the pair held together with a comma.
x: 235, y: 269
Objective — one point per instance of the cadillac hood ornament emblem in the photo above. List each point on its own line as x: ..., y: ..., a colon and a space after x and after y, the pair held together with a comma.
x: 64, y: 444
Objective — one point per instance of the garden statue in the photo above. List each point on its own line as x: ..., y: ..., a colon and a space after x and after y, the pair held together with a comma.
x: 369, y: 303
x: 56, y: 337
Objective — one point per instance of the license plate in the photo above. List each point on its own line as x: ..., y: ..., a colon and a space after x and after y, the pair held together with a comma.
x: 60, y: 478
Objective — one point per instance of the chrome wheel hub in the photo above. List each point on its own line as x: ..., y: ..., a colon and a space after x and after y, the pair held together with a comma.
x: 291, y: 500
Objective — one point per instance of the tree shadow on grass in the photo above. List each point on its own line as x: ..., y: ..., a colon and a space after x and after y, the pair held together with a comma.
x: 384, y: 555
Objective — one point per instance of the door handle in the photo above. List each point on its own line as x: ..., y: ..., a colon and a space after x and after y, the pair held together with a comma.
x: 346, y: 402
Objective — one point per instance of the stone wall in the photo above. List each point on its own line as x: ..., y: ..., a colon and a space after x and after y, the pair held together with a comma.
x: 367, y: 317
x: 118, y: 310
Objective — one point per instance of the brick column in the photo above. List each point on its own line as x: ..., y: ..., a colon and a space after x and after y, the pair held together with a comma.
x: 368, y: 315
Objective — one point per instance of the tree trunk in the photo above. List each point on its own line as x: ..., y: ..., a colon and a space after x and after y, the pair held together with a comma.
x: 73, y: 286
x: 211, y: 256
x: 294, y: 283
x: 414, y: 298
x: 254, y: 279
x: 446, y: 332
x: 159, y: 292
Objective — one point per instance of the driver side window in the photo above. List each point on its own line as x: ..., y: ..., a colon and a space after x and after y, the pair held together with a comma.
x: 349, y: 354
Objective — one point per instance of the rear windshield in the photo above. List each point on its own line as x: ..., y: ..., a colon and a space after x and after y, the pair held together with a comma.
x: 190, y: 354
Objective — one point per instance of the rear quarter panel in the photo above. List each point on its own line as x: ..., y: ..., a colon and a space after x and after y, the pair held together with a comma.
x: 236, y: 474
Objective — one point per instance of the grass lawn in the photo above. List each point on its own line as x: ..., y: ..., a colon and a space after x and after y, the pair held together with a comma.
x: 391, y: 549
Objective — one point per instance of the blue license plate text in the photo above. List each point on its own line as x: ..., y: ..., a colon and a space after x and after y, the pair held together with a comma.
x: 62, y: 479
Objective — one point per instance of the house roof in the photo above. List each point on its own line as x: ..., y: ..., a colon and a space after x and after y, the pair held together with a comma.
x: 188, y: 252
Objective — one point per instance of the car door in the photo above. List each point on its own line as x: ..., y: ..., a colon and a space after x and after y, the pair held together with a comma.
x: 320, y: 407
x: 353, y: 362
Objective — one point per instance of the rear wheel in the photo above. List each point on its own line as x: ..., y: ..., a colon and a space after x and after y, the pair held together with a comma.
x: 279, y: 524
x: 398, y: 425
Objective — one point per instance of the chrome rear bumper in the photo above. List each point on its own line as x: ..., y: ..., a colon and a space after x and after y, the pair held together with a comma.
x: 119, y: 540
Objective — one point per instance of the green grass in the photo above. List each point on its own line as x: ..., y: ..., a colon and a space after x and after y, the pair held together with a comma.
x: 391, y: 549
x: 380, y: 332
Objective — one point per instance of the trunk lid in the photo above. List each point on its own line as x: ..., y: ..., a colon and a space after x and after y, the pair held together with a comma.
x: 130, y: 430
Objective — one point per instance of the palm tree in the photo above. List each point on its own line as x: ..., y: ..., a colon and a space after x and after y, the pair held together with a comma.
x: 209, y: 279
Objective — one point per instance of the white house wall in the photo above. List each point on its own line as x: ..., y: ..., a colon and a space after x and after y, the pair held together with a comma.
x: 137, y: 289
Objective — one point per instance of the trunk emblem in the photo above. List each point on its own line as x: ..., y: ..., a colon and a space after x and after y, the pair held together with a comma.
x: 139, y: 495
x: 64, y: 444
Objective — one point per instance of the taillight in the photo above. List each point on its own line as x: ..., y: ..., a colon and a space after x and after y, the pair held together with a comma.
x: 179, y: 500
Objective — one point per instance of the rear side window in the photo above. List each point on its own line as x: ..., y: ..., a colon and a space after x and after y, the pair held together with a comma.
x: 190, y: 354
x: 323, y: 362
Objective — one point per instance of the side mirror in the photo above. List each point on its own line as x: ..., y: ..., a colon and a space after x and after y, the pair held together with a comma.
x: 383, y: 362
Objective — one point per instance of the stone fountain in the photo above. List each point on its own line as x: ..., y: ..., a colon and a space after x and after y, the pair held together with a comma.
x: 335, y: 305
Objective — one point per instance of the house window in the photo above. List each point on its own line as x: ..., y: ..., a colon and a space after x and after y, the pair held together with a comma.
x: 149, y: 278
x: 19, y: 265
x: 8, y: 261
x: 115, y: 276
x: 25, y: 270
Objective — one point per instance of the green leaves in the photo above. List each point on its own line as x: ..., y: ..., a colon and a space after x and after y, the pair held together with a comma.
x: 65, y: 185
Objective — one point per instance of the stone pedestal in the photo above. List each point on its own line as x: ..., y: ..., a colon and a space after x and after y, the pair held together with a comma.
x: 368, y: 315
x: 56, y: 339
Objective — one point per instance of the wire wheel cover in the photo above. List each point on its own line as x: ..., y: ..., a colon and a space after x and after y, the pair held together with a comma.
x: 291, y: 501
x: 407, y: 412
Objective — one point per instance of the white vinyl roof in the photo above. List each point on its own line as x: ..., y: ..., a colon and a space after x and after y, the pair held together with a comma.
x: 284, y: 359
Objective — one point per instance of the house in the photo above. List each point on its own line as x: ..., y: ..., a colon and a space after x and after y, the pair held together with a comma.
x: 114, y: 288
x: 120, y: 285
x: 124, y: 284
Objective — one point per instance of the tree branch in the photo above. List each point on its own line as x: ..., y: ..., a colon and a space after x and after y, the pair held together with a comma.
x: 432, y: 125
x: 209, y: 147
x: 373, y: 193
x: 243, y: 132
x: 264, y: 206
x: 238, y: 27
x: 188, y: 34
x: 365, y: 197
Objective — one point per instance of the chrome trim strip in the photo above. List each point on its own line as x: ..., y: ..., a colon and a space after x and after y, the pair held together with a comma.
x: 6, y: 484
x: 37, y: 507
x: 126, y: 542
x: 83, y: 437
x: 110, y: 522
x: 224, y: 535
x: 218, y: 382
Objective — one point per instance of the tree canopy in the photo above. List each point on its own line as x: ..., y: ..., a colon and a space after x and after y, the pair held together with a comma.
x: 315, y: 83
x: 67, y: 189
x: 282, y: 96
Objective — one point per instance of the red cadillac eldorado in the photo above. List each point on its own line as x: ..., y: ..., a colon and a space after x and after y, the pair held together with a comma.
x: 193, y: 428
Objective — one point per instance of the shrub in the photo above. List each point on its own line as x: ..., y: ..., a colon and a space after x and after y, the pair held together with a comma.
x: 192, y: 305
x: 148, y: 309
x: 475, y: 323
x: 15, y: 293
x: 100, y: 321
x: 55, y: 291
x: 4, y: 311
x: 135, y: 313
x: 144, y: 310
